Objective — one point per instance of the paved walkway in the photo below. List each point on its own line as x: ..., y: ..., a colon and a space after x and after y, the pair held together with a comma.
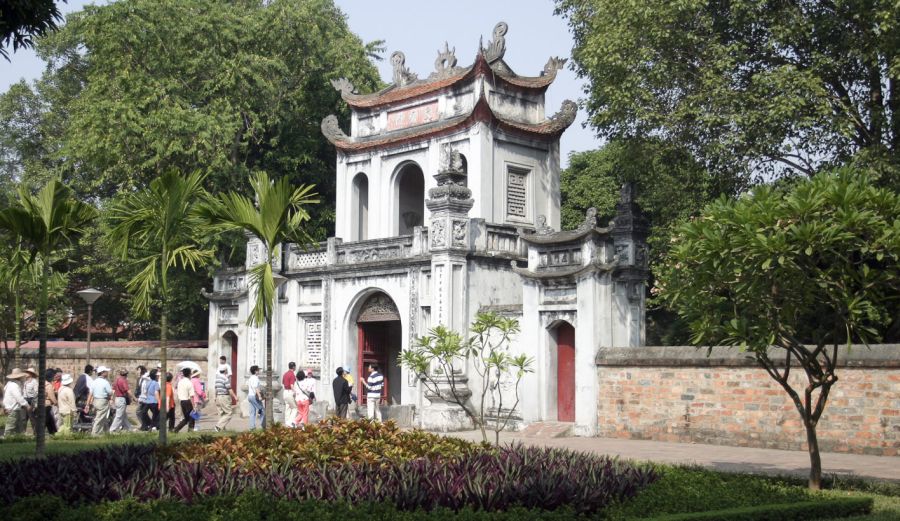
x: 719, y: 457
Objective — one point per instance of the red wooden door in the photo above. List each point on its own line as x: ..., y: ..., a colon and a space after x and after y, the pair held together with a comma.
x: 565, y: 373
x: 234, y: 355
x: 373, y: 342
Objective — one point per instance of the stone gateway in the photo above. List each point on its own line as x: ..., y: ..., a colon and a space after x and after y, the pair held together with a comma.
x: 449, y: 204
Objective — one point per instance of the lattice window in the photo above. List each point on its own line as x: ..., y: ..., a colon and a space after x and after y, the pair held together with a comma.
x: 313, y: 341
x: 517, y: 193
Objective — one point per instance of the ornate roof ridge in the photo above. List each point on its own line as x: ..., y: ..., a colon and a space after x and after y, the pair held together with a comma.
x: 407, y: 85
x: 481, y: 111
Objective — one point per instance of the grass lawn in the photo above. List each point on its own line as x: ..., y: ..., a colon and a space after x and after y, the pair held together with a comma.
x: 23, y: 446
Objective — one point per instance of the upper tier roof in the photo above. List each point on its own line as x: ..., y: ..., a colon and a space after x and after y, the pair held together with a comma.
x: 407, y: 86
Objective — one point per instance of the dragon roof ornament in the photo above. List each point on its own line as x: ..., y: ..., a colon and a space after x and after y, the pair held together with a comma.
x: 402, y: 74
x: 496, y: 48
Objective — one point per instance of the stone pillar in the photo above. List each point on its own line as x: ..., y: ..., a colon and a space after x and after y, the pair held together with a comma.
x: 629, y: 232
x: 450, y: 241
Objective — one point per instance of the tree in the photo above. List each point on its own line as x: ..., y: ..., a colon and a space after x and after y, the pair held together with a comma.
x: 790, y: 275
x: 277, y: 217
x: 670, y: 186
x: 44, y: 224
x: 436, y: 357
x: 747, y: 86
x: 22, y: 20
x: 161, y: 228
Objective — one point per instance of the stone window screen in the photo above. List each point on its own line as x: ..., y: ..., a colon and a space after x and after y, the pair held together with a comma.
x: 517, y: 193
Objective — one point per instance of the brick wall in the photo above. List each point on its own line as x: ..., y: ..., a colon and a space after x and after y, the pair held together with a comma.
x: 73, y: 359
x: 679, y: 394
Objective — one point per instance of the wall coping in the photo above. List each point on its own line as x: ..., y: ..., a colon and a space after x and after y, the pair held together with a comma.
x: 878, y: 356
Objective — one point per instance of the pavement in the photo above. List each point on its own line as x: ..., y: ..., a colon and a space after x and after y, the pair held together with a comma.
x: 717, y: 457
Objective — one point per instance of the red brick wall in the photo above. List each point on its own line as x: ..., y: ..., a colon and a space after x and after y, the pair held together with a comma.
x: 740, y: 404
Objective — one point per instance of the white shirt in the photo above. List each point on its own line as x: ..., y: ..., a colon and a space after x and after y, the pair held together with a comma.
x: 253, y: 385
x: 13, y: 400
x: 308, y: 385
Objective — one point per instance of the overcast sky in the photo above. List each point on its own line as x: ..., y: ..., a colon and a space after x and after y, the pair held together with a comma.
x: 419, y: 28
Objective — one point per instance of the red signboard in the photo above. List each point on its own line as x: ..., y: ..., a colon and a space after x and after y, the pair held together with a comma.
x: 412, y: 116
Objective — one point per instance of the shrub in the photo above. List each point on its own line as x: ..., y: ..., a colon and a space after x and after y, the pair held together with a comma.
x: 333, y: 441
x: 803, y: 511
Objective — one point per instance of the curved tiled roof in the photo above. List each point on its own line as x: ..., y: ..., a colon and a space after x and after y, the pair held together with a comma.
x: 481, y: 112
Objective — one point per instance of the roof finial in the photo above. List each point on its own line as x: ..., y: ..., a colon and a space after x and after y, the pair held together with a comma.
x: 402, y: 76
x: 496, y: 47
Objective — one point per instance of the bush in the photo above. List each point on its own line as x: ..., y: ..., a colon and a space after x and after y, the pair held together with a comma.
x: 487, y: 480
x: 333, y: 441
x: 803, y: 511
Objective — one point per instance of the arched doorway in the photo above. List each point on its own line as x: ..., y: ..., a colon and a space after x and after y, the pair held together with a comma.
x: 230, y: 342
x: 410, y: 198
x: 380, y: 341
x: 565, y: 372
x: 360, y: 211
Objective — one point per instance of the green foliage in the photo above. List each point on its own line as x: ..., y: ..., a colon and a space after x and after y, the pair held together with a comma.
x: 22, y: 20
x: 806, y: 511
x: 439, y: 357
x: 747, y: 86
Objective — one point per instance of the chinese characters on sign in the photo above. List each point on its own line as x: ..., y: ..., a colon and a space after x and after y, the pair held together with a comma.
x: 412, y: 116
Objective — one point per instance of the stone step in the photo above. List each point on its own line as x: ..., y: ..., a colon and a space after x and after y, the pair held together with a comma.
x: 547, y: 430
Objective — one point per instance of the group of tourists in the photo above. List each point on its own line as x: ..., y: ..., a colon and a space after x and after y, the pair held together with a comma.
x: 96, y: 403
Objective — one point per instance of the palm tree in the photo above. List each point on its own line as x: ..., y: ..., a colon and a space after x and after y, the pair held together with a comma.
x: 162, y: 228
x: 43, y: 224
x: 276, y: 217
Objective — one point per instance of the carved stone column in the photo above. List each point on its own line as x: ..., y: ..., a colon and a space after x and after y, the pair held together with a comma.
x: 449, y: 242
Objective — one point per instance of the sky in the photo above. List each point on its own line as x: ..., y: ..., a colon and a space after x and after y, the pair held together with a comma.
x: 419, y: 28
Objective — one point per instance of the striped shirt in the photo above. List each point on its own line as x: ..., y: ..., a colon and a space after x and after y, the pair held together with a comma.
x: 376, y: 383
x: 223, y: 384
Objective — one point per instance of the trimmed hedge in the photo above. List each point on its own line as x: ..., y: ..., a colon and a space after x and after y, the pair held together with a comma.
x: 804, y: 511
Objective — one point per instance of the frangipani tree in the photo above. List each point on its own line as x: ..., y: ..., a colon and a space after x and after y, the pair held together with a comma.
x: 790, y: 276
x: 276, y: 216
x: 161, y: 228
x: 44, y: 224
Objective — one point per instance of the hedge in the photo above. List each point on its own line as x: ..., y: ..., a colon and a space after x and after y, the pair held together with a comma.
x: 802, y: 511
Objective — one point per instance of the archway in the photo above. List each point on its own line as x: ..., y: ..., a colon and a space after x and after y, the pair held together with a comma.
x: 380, y: 341
x: 230, y: 342
x: 360, y: 210
x: 410, y: 198
x: 565, y: 372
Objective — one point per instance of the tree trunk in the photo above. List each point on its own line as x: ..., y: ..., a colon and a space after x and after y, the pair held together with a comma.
x: 815, y: 459
x: 270, y: 412
x: 18, y: 322
x: 164, y: 362
x: 40, y: 408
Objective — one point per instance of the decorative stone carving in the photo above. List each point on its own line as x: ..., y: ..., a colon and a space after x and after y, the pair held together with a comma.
x: 590, y: 220
x: 344, y: 86
x: 331, y: 129
x: 496, y: 48
x: 445, y: 64
x: 402, y: 75
x: 460, y: 229
x: 640, y: 256
x: 450, y: 162
x: 254, y: 254
x: 566, y: 114
x: 438, y: 235
x: 542, y: 228
x: 621, y: 255
x: 374, y: 254
x: 553, y: 64
x: 378, y: 308
x: 413, y: 325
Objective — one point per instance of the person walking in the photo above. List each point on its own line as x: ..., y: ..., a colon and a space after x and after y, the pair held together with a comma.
x: 150, y: 395
x: 225, y: 398
x: 49, y: 402
x: 341, y: 389
x: 140, y: 391
x: 374, y: 385
x: 290, y: 401
x: 17, y: 407
x: 305, y: 391
x: 67, y: 406
x: 101, y: 392
x: 254, y: 396
x: 170, y: 402
x: 123, y: 397
x: 184, y: 391
x: 30, y: 392
x: 200, y: 397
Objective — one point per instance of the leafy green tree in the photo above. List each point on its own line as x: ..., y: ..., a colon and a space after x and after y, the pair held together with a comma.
x: 160, y: 228
x: 44, y: 224
x: 790, y: 276
x: 440, y: 357
x: 22, y: 20
x: 747, y: 86
x: 277, y: 216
